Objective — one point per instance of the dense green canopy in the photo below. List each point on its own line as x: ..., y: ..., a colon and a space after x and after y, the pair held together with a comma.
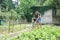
x: 23, y: 9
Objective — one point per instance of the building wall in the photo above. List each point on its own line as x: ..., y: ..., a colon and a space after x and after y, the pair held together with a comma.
x: 47, y: 17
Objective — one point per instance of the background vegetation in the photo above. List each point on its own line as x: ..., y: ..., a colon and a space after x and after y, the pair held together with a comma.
x: 22, y: 9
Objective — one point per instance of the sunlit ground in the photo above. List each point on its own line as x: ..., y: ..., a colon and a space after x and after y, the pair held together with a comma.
x: 47, y: 32
x: 14, y: 28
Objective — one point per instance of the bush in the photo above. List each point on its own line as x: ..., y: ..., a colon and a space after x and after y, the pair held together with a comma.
x: 44, y: 33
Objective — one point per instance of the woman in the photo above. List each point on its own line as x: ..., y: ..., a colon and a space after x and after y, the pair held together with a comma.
x: 36, y: 19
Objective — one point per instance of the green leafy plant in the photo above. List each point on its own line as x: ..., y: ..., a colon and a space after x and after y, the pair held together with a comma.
x: 44, y: 33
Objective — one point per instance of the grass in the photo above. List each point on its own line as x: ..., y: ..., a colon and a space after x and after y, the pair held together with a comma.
x: 14, y: 28
x: 47, y: 32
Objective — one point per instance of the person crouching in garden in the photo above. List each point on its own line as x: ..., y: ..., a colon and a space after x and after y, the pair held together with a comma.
x: 36, y: 20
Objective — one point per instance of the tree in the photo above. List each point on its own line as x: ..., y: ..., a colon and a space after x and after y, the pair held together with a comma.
x: 48, y: 2
x: 6, y: 5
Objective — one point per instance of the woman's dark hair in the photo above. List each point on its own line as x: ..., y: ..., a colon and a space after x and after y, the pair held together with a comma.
x: 36, y: 14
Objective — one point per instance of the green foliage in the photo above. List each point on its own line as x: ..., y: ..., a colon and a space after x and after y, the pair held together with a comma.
x: 48, y: 2
x: 13, y: 14
x: 5, y: 37
x: 6, y: 5
x: 23, y: 9
x: 44, y: 33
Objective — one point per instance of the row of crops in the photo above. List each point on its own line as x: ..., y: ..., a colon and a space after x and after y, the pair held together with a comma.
x: 6, y: 29
x: 44, y: 33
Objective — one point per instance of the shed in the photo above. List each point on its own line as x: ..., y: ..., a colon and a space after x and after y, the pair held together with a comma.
x: 50, y: 14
